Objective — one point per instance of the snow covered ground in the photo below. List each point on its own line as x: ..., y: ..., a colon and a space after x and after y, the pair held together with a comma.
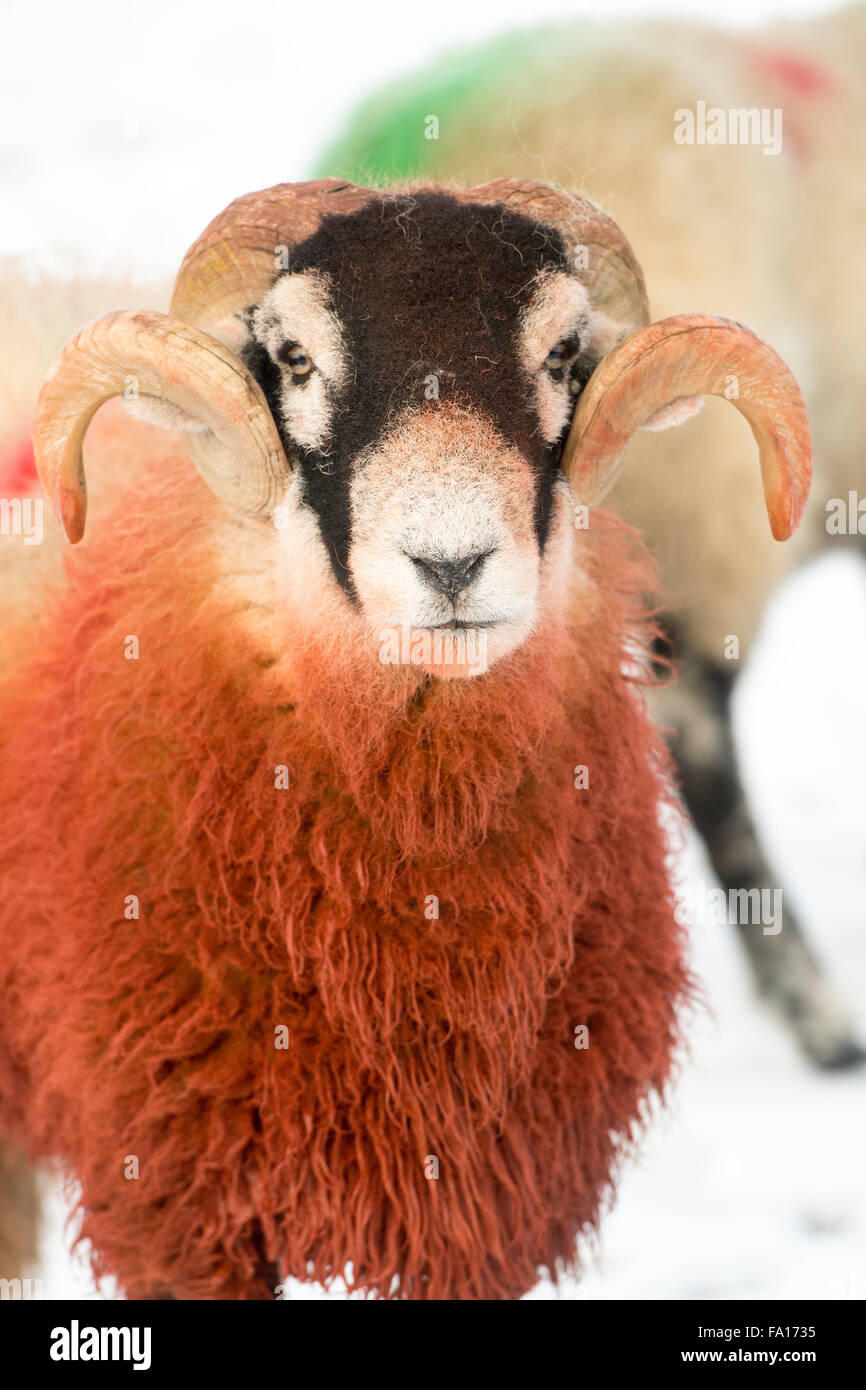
x: 123, y: 129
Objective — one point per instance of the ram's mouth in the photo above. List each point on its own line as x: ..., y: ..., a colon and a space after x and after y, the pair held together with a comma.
x: 465, y: 624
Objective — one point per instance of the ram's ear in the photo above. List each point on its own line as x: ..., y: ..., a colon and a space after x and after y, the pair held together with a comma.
x: 674, y: 413
x: 607, y: 333
x: 153, y: 410
x: 234, y: 332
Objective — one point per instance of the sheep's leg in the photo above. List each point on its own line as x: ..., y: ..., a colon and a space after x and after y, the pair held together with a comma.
x: 19, y: 1214
x: 785, y: 969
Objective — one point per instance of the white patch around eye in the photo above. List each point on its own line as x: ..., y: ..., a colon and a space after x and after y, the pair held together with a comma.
x: 297, y: 309
x: 559, y: 309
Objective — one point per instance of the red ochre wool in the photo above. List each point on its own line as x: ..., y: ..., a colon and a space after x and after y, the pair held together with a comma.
x: 411, y: 1037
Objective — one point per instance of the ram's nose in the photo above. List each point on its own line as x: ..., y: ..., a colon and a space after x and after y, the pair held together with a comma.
x: 450, y: 577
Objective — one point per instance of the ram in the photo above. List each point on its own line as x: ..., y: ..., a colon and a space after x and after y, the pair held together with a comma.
x: 761, y: 229
x: 336, y: 933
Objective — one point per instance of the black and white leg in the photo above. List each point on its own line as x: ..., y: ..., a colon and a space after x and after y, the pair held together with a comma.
x: 786, y: 970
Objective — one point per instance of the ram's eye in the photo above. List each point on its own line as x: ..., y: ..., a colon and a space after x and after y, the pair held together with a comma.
x: 561, y: 354
x: 296, y: 359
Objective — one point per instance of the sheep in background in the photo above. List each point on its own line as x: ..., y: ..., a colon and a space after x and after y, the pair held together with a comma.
x: 39, y: 314
x: 598, y: 108
x: 314, y: 960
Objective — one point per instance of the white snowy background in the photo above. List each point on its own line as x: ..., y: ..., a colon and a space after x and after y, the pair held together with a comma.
x: 123, y: 129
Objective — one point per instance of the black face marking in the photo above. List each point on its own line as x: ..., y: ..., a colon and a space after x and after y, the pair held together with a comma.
x: 573, y: 362
x: 561, y: 357
x: 266, y: 372
x: 424, y: 286
x: 580, y: 372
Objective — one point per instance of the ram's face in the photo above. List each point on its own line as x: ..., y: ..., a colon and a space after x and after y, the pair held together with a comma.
x: 423, y: 368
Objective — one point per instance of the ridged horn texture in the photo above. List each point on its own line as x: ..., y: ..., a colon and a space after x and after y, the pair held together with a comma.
x: 238, y: 256
x: 599, y: 254
x: 242, y: 458
x: 694, y: 355
x: 241, y: 252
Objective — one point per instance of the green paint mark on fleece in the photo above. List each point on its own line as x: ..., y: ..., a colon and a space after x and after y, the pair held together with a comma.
x: 385, y: 139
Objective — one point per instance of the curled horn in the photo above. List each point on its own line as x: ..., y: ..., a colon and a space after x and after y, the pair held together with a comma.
x: 693, y: 355
x: 239, y: 255
x: 656, y: 364
x: 241, y: 458
x: 229, y: 267
x: 599, y: 253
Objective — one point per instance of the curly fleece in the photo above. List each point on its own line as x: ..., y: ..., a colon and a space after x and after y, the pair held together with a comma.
x: 262, y: 907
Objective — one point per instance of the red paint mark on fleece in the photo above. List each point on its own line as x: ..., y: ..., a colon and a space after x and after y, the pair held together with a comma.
x: 798, y: 82
x: 801, y: 76
x: 17, y: 468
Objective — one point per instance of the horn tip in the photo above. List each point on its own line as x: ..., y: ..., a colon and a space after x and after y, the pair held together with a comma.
x: 785, y: 515
x: 70, y: 509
